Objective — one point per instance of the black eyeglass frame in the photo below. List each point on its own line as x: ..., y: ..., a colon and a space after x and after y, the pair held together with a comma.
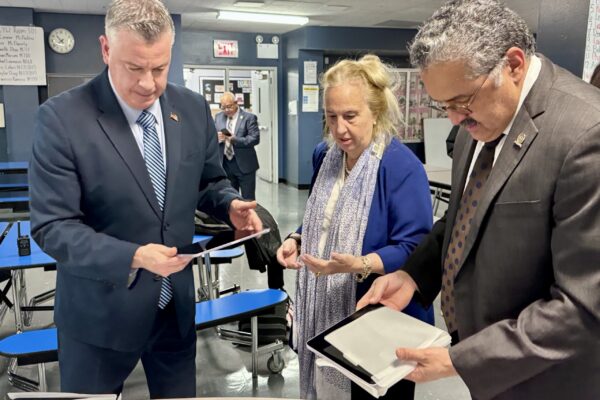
x: 461, y: 108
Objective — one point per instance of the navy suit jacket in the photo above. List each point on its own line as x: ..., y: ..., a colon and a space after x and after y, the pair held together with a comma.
x: 93, y: 205
x: 246, y: 136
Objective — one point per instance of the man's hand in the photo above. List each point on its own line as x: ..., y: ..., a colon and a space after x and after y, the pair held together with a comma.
x: 392, y: 290
x: 287, y: 254
x: 432, y: 363
x: 158, y: 259
x: 243, y: 216
x: 220, y: 137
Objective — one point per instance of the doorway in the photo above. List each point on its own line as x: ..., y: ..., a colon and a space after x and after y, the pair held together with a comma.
x: 255, y: 90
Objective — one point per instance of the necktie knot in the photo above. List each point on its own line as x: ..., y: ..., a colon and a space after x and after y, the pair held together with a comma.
x: 493, y: 143
x: 146, y: 119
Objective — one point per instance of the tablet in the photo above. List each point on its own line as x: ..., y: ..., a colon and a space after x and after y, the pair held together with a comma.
x: 220, y: 241
x: 319, y: 345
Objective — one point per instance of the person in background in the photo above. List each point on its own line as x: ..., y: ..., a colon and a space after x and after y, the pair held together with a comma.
x: 516, y: 258
x: 238, y: 133
x: 115, y: 175
x: 368, y: 209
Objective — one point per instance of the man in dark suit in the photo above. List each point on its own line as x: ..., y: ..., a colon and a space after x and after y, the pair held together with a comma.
x: 115, y: 176
x: 516, y: 258
x: 238, y: 133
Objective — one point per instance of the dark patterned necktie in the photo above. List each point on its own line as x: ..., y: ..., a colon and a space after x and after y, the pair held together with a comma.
x: 229, y: 153
x: 462, y: 226
x: 153, y: 157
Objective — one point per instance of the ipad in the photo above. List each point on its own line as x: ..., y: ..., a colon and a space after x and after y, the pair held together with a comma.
x: 220, y: 241
x: 319, y: 345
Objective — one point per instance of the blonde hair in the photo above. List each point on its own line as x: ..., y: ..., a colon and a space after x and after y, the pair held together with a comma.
x: 148, y: 18
x: 378, y: 81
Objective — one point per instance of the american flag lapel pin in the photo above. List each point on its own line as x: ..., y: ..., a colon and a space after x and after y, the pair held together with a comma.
x: 174, y: 117
x: 520, y: 140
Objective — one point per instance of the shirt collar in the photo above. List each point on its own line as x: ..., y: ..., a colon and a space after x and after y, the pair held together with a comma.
x: 132, y: 114
x: 533, y: 72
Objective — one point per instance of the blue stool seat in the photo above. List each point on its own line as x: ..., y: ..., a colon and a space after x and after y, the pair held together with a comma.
x: 31, y: 347
x: 237, y: 306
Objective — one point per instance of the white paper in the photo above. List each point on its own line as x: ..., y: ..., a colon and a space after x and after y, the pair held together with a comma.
x: 371, y: 340
x: 22, y: 56
x: 310, y: 98
x: 310, y: 72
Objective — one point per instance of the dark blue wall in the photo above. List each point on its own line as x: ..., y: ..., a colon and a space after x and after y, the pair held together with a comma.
x: 21, y: 102
x: 562, y: 31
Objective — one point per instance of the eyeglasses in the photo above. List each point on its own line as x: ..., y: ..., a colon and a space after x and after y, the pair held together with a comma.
x: 227, y: 107
x: 461, y: 108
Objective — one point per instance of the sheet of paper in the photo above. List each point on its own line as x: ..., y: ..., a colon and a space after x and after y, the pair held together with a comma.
x: 371, y: 340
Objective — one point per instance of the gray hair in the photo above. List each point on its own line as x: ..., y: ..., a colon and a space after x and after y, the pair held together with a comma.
x: 148, y: 18
x: 477, y: 32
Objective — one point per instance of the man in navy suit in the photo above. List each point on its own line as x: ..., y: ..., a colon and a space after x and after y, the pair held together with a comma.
x: 115, y: 175
x: 237, y: 148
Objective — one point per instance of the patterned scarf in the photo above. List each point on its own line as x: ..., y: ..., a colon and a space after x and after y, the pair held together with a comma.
x: 321, y: 302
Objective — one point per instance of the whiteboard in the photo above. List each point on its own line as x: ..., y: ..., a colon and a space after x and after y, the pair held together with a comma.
x: 592, y: 42
x: 22, y: 57
x: 435, y: 133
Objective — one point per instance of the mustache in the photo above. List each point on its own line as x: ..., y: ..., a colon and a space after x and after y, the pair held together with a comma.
x: 467, y: 121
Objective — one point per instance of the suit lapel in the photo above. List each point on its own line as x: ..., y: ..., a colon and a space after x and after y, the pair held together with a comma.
x: 239, y: 122
x: 519, y: 139
x: 172, y: 126
x: 508, y: 159
x: 115, y: 126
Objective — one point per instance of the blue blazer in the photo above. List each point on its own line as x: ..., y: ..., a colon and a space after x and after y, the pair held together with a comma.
x: 400, y: 215
x: 93, y: 205
x: 246, y: 136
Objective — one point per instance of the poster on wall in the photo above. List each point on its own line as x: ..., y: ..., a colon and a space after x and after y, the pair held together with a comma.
x: 225, y: 48
x: 592, y: 43
x: 310, y: 98
x: 22, y: 56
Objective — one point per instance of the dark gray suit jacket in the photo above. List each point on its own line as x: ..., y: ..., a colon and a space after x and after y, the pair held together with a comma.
x: 528, y: 290
x: 93, y: 205
x: 246, y: 136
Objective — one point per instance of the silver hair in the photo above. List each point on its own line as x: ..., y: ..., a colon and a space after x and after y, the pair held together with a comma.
x: 477, y: 32
x: 148, y: 18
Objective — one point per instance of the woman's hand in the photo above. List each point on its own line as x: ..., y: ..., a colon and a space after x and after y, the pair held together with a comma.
x: 339, y: 263
x: 287, y: 254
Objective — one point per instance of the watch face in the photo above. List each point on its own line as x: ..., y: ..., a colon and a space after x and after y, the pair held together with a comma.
x: 61, y: 40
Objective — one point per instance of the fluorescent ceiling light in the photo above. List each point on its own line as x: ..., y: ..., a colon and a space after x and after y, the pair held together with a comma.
x: 258, y: 17
x: 249, y: 3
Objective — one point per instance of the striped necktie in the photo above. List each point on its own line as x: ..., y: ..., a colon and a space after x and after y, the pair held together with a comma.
x: 156, y: 169
x: 229, y: 153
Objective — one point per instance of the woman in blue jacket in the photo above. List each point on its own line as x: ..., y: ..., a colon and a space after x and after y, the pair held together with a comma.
x: 368, y: 208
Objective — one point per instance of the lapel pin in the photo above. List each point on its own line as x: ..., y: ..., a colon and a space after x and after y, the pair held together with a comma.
x: 520, y: 140
x: 174, y: 117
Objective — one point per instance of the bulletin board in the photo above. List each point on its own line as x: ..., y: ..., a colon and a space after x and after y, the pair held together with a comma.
x: 592, y: 43
x: 213, y: 88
